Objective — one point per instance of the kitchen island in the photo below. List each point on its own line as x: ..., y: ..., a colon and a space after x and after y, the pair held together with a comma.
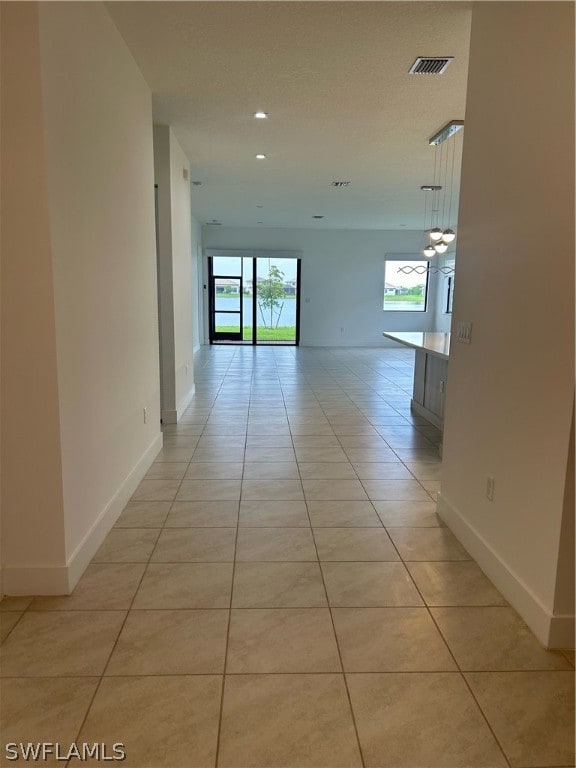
x: 430, y: 372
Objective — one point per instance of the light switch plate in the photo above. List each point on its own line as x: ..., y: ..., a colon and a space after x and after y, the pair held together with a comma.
x: 464, y: 332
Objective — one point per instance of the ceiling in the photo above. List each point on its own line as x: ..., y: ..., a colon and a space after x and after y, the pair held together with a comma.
x: 333, y: 78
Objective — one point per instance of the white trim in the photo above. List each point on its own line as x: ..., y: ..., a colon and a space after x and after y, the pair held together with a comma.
x: 61, y: 579
x: 42, y: 580
x: 85, y: 551
x: 428, y: 415
x: 376, y: 344
x: 561, y: 633
x: 169, y: 417
x: 185, y: 402
x: 552, y: 631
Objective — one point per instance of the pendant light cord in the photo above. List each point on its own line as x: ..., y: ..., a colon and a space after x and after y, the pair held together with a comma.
x: 452, y: 181
x: 445, y: 192
x: 435, y: 191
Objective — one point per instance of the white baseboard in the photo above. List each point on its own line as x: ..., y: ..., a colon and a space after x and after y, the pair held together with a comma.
x: 376, y: 344
x: 185, y: 402
x: 428, y: 415
x: 169, y: 417
x: 61, y: 580
x: 30, y: 580
x: 83, y: 554
x: 561, y: 633
x: 552, y: 631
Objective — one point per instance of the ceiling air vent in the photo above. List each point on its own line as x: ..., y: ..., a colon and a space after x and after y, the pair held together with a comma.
x: 430, y: 65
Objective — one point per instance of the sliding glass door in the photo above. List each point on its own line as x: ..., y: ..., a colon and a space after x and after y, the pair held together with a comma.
x: 254, y: 299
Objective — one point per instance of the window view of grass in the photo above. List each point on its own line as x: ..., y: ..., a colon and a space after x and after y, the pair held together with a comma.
x: 271, y: 296
x: 282, y: 333
x: 405, y: 285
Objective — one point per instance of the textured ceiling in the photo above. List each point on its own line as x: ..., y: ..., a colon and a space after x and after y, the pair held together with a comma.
x: 333, y: 77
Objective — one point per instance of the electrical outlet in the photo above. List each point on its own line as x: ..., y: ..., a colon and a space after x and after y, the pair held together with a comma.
x: 464, y: 332
x: 145, y: 414
x: 490, y: 488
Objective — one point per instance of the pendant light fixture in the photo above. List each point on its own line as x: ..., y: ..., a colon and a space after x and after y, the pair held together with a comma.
x: 428, y: 249
x: 435, y: 234
x: 448, y: 235
x: 440, y: 234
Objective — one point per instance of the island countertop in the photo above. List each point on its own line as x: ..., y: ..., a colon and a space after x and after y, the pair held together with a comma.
x: 437, y: 344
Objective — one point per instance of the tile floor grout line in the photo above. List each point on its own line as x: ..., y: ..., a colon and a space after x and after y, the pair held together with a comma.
x: 344, y: 680
x: 114, y: 645
x: 458, y: 668
x: 107, y: 663
x: 458, y: 672
x: 17, y: 622
x: 227, y: 643
x: 314, y: 385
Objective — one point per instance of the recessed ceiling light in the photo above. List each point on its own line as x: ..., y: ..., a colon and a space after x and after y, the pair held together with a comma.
x: 317, y: 217
x: 260, y: 115
x: 260, y: 156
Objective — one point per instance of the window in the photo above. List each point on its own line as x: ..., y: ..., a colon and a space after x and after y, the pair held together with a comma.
x: 405, y: 285
x: 450, y: 295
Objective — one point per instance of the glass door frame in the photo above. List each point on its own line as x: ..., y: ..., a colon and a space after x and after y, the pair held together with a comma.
x: 215, y: 335
x: 216, y: 338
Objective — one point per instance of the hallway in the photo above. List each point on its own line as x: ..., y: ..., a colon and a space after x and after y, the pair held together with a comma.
x: 280, y: 593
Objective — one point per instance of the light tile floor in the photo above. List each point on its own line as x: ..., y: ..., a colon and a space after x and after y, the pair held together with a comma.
x: 279, y: 593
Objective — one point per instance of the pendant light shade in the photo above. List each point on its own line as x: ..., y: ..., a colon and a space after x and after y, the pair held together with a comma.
x: 436, y: 233
x: 448, y: 235
x: 440, y: 246
x: 429, y: 251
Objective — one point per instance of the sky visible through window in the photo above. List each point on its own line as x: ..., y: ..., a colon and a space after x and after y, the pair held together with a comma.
x: 230, y: 265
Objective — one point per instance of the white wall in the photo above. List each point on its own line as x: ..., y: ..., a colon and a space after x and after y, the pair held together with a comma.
x: 197, y: 285
x: 161, y: 135
x: 32, y: 495
x: 98, y: 133
x: 176, y: 265
x: 182, y: 259
x: 510, y: 392
x: 88, y: 335
x: 342, y: 280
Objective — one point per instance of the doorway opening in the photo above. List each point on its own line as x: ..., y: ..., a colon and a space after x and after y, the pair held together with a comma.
x: 254, y: 300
